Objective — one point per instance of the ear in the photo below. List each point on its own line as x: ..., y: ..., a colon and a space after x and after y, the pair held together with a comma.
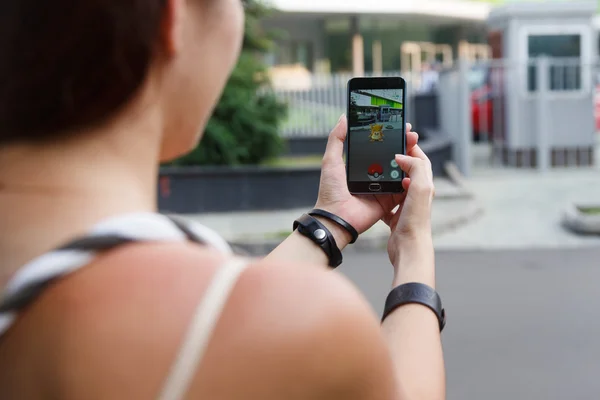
x: 172, y: 30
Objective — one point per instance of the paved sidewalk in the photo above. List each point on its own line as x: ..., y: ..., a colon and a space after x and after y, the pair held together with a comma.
x: 523, y: 209
x: 258, y: 232
x: 496, y: 208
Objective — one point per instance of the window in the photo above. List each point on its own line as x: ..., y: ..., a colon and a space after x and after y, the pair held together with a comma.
x: 565, y: 52
x: 303, y: 55
x: 571, y: 52
x: 295, y: 52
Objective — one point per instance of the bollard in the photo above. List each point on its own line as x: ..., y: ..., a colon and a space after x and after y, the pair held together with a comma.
x: 465, y: 128
x: 542, y: 140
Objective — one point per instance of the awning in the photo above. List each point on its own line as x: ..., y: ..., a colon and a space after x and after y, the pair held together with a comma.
x: 459, y: 9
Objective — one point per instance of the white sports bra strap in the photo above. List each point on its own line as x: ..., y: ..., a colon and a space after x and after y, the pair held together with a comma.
x: 200, y: 330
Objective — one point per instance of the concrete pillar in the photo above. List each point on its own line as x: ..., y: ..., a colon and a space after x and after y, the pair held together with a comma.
x: 358, y: 48
x: 358, y: 55
x: 377, y: 58
x: 464, y: 50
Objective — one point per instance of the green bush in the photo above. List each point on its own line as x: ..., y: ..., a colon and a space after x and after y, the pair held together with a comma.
x: 244, y: 128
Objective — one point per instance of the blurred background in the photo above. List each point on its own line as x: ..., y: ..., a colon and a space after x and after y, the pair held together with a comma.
x: 505, y: 96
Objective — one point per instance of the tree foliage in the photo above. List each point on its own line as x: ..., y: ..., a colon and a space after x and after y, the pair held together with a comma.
x: 244, y: 128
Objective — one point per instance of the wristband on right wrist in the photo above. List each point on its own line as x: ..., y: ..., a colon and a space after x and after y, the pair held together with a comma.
x: 415, y: 293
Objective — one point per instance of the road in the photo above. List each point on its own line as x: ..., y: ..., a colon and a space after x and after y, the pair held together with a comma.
x: 521, y: 324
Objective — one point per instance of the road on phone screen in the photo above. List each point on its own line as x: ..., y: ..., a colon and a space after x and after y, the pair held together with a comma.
x: 364, y: 153
x: 521, y: 324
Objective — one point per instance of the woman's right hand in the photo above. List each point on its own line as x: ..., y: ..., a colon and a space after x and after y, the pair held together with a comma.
x: 411, y: 223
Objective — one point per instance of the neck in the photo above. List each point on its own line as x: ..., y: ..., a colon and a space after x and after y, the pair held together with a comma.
x: 51, y: 193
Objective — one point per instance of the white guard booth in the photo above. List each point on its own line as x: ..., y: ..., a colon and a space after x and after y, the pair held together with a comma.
x: 544, y: 66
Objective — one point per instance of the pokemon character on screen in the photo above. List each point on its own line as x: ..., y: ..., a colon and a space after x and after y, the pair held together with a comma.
x: 375, y: 172
x: 376, y: 134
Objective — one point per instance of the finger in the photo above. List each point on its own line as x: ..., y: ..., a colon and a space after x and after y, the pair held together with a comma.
x: 412, y: 138
x: 417, y: 152
x: 388, y: 218
x: 406, y: 184
x: 414, y: 167
x: 392, y: 218
x: 335, y: 143
x: 395, y: 220
x: 408, y: 127
x: 419, y: 171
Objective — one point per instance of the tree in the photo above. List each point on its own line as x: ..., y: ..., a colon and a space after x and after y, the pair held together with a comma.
x: 244, y: 128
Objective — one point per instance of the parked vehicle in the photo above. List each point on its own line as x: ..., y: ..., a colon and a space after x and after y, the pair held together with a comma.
x: 482, y: 105
x: 597, y: 108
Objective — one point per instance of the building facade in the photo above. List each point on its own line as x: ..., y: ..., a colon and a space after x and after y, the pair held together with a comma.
x: 359, y: 36
x: 365, y: 36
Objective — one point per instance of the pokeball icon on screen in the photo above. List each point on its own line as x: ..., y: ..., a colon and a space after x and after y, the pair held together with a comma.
x: 375, y: 172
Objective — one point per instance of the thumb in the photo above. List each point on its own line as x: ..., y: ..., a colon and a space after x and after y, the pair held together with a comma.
x: 335, y: 143
x: 419, y: 172
x: 413, y: 167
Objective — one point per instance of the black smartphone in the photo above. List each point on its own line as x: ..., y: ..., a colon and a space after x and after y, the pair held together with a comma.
x: 376, y: 133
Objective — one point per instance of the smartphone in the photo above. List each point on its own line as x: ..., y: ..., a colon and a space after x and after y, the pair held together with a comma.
x: 376, y: 133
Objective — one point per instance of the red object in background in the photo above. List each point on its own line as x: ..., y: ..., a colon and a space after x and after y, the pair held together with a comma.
x: 597, y: 108
x: 482, y: 112
x: 375, y: 169
x: 482, y: 107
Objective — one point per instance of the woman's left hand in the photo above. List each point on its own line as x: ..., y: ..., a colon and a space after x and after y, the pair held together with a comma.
x: 363, y: 211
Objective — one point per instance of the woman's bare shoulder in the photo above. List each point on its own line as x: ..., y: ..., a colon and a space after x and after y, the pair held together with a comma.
x: 287, y: 330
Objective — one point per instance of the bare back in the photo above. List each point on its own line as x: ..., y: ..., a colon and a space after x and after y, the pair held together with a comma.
x: 113, y: 330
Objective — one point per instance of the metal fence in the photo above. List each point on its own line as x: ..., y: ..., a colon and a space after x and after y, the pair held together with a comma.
x: 315, y: 107
x: 536, y: 114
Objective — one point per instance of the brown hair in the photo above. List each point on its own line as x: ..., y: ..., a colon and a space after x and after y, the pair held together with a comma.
x: 67, y: 64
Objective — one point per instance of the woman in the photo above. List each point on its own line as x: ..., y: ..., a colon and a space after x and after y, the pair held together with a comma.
x: 96, y: 92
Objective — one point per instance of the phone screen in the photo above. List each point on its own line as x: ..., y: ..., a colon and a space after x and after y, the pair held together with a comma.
x: 376, y: 134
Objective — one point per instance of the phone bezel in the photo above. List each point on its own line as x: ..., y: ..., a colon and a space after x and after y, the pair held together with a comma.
x: 362, y: 187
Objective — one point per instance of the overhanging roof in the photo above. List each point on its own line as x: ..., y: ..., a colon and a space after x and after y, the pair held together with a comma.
x: 459, y: 9
x: 548, y: 9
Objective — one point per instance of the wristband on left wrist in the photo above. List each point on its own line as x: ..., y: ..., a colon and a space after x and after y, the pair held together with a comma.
x: 317, y: 212
x: 319, y: 234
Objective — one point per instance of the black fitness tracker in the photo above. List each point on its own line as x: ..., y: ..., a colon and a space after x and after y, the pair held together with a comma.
x: 334, y: 218
x: 415, y: 293
x: 321, y: 236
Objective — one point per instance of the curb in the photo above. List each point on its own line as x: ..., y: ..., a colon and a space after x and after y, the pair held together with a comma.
x: 379, y: 240
x: 580, y: 223
x: 458, y: 179
x: 368, y: 242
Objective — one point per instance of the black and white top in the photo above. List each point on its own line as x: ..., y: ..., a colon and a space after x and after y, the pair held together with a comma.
x: 31, y: 280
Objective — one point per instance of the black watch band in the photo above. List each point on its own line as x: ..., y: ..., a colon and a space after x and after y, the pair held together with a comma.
x: 321, y: 236
x: 415, y: 293
x: 334, y: 218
